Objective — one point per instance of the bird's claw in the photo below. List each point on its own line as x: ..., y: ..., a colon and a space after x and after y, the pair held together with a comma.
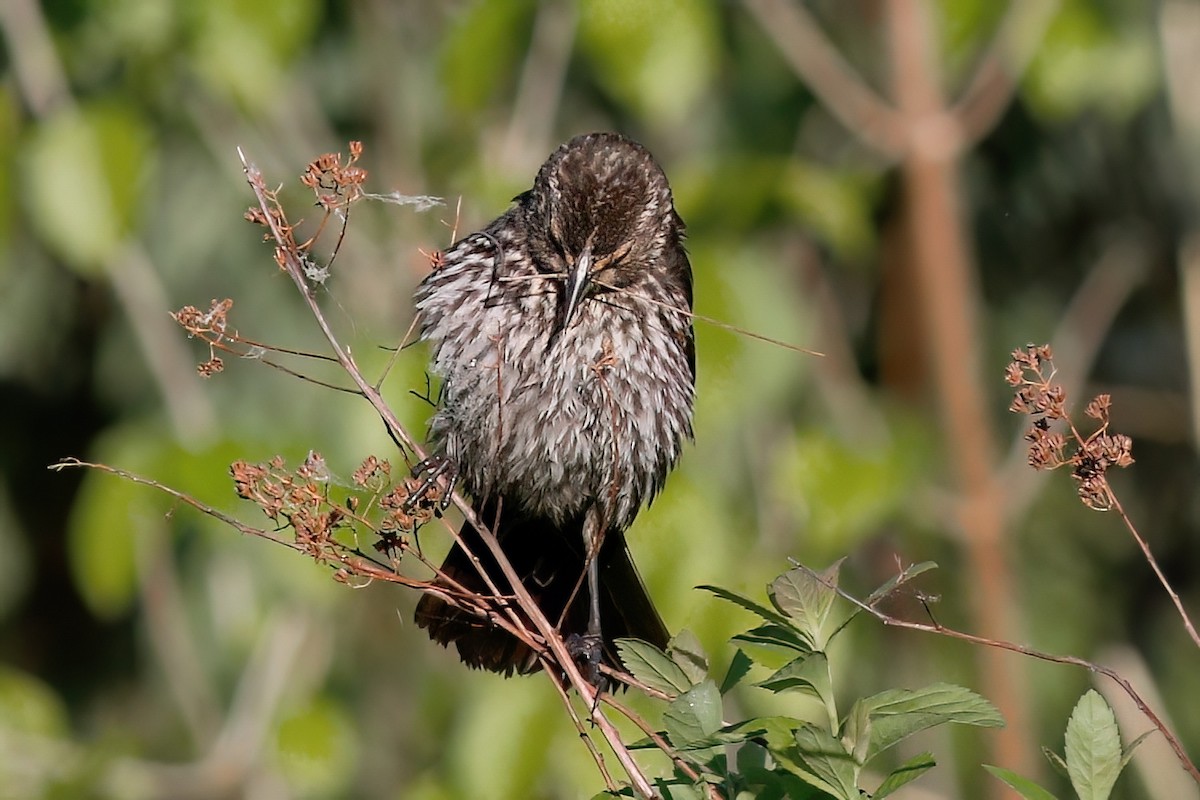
x: 436, y: 469
x: 585, y: 648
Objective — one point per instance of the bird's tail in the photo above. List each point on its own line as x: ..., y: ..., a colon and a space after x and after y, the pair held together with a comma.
x: 550, y: 560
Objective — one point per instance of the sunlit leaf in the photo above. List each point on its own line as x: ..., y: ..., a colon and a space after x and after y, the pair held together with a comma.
x: 316, y: 749
x: 658, y: 58
x: 807, y: 599
x: 808, y: 674
x: 739, y: 667
x: 1093, y: 748
x: 1025, y: 787
x: 825, y: 757
x: 907, y: 772
x: 688, y: 654
x: 898, y: 713
x: 27, y: 705
x: 652, y: 666
x: 694, y: 715
x: 86, y: 170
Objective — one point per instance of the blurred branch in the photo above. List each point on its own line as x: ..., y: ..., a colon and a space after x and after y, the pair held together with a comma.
x: 143, y: 298
x: 45, y: 87
x: 540, y: 91
x: 39, y: 73
x: 943, y: 274
x: 171, y: 636
x: 996, y: 78
x: 1179, y: 30
x: 821, y: 67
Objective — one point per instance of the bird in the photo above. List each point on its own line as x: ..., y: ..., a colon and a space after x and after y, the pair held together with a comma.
x: 562, y: 337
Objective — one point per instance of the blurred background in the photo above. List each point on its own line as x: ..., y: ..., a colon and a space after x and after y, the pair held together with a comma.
x: 912, y: 188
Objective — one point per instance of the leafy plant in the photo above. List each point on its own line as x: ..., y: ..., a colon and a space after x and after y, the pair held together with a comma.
x: 1094, y: 757
x: 784, y: 756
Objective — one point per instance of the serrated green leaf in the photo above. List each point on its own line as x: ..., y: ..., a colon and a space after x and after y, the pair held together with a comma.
x: 694, y: 716
x: 1093, y: 745
x: 808, y: 674
x: 652, y: 666
x: 807, y: 599
x: 906, y: 773
x: 778, y: 636
x: 774, y: 733
x: 688, y: 654
x: 905, y: 576
x: 825, y: 757
x: 1025, y: 787
x: 768, y: 615
x: 898, y: 713
x: 739, y: 667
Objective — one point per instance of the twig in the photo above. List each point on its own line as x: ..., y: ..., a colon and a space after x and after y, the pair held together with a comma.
x: 1153, y: 562
x: 1001, y: 644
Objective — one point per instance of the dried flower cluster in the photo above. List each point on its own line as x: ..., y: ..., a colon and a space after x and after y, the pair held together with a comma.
x: 208, y: 325
x: 1032, y: 374
x: 300, y: 499
x: 336, y: 185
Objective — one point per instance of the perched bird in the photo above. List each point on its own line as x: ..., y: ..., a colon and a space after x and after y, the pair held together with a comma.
x: 562, y: 335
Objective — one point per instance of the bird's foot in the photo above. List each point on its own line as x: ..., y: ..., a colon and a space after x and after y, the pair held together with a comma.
x: 585, y: 649
x: 440, y: 473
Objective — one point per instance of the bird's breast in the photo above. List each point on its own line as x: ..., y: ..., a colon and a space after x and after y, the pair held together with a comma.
x: 557, y: 418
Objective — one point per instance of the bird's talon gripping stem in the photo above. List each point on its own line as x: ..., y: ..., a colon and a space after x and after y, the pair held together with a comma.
x: 436, y: 468
x: 585, y: 648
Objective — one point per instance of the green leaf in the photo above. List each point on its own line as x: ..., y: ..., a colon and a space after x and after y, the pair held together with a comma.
x: 482, y: 50
x: 86, y: 169
x: 652, y: 666
x: 897, y: 580
x: 1093, y: 748
x: 767, y: 614
x: 1057, y: 762
x: 898, y: 713
x: 1025, y: 787
x: 825, y: 757
x: 659, y: 59
x: 807, y: 598
x: 316, y: 749
x: 907, y: 772
x: 739, y: 667
x: 694, y: 716
x: 775, y: 636
x: 29, y: 706
x: 688, y: 654
x: 808, y: 674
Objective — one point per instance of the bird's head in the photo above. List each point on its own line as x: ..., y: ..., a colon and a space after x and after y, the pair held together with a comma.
x: 600, y: 215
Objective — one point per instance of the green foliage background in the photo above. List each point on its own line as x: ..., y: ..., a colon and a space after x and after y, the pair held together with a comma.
x: 148, y: 652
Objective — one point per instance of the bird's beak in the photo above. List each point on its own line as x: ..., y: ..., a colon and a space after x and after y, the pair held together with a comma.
x: 577, y: 281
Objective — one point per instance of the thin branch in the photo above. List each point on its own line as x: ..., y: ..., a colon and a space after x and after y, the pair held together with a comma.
x: 295, y: 270
x: 821, y: 67
x: 1153, y: 562
x: 938, y: 628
